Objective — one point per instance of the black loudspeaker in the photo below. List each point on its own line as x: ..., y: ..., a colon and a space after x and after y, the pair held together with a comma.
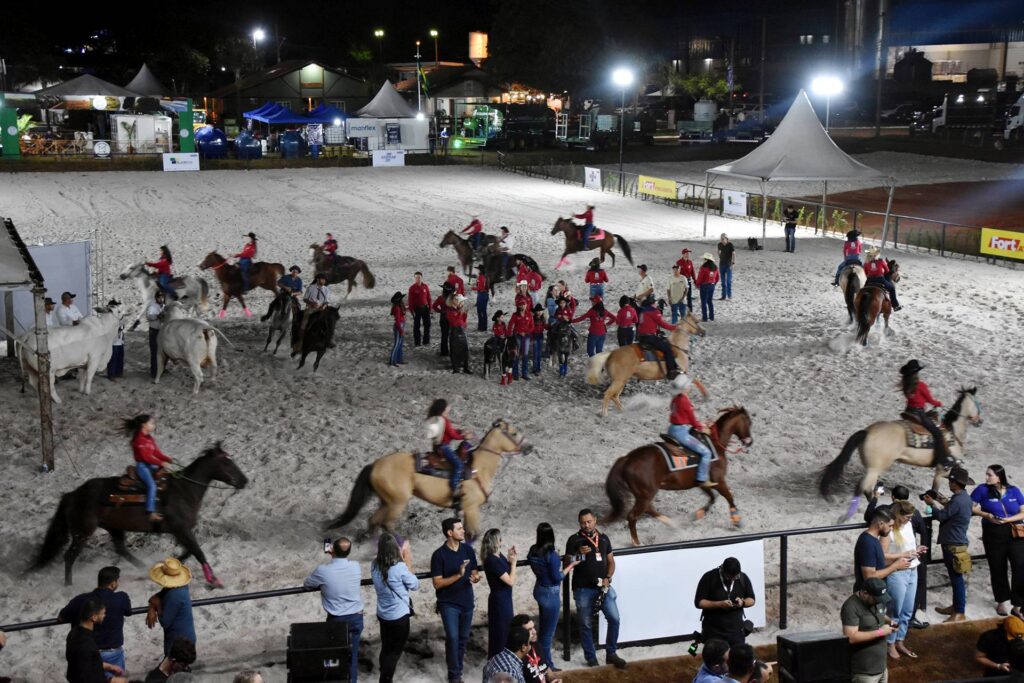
x: 815, y: 657
x: 319, y: 651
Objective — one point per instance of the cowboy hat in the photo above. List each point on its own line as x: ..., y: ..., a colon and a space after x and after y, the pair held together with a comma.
x: 320, y: 276
x: 874, y: 251
x: 295, y: 269
x: 397, y: 297
x: 48, y: 301
x: 911, y: 367
x: 643, y: 267
x: 960, y: 476
x: 522, y: 283
x: 595, y: 263
x: 852, y: 235
x: 707, y: 256
x: 681, y: 383
x: 170, y: 573
x: 250, y: 235
x: 537, y: 308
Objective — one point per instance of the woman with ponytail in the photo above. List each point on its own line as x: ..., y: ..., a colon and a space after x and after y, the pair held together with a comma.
x: 149, y: 459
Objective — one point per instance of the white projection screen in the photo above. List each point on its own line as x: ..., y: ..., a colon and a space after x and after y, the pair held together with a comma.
x: 655, y: 590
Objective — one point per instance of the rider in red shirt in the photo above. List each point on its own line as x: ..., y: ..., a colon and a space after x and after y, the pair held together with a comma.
x: 163, y: 272
x: 476, y: 232
x: 877, y: 270
x: 918, y: 398
x: 588, y: 224
x: 245, y: 258
x: 331, y: 246
x: 851, y: 254
x: 457, y: 282
x: 599, y: 320
x: 149, y: 459
x: 683, y: 423
x: 443, y: 433
x: 650, y: 321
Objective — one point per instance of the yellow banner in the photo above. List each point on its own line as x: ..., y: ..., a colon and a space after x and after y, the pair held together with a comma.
x: 1004, y: 243
x: 658, y: 187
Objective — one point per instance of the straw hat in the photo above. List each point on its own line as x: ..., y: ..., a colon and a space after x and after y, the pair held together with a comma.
x: 874, y: 251
x: 681, y: 383
x: 707, y: 256
x: 170, y: 573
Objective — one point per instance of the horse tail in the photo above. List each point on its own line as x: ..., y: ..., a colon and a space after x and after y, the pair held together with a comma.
x: 625, y: 248
x: 204, y: 295
x: 369, y: 281
x: 597, y: 366
x: 361, y: 493
x: 863, y: 304
x: 852, y: 287
x: 834, y: 469
x: 615, y: 486
x: 56, y: 535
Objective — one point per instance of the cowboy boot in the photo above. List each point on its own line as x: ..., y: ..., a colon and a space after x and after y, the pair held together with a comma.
x: 502, y: 382
x: 945, y: 611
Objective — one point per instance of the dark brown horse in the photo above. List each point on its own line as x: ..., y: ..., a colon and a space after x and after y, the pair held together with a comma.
x: 340, y: 269
x: 574, y: 244
x: 872, y: 301
x: 261, y: 274
x: 643, y: 472
x: 88, y: 507
x: 464, y: 249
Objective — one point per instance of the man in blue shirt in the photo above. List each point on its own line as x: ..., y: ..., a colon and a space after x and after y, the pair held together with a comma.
x: 454, y: 570
x: 338, y: 581
x: 868, y: 557
x: 109, y: 634
x: 954, y: 517
x: 172, y: 606
x: 715, y: 665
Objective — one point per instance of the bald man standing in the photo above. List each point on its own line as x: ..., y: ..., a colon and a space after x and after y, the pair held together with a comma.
x: 338, y: 583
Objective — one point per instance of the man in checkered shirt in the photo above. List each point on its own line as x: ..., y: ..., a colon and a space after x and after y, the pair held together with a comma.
x: 509, y: 660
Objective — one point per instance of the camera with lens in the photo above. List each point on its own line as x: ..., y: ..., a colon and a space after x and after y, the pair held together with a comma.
x: 931, y: 493
x: 695, y: 645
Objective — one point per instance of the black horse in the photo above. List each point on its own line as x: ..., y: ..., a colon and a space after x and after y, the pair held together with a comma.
x: 88, y: 507
x: 504, y: 350
x: 498, y: 268
x: 318, y: 336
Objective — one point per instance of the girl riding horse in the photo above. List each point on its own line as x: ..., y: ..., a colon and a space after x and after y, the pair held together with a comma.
x: 682, y: 422
x: 443, y: 433
x: 163, y: 270
x: 918, y: 396
x: 149, y: 459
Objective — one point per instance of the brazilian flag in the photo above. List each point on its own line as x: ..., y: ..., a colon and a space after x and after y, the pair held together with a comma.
x: 423, y: 82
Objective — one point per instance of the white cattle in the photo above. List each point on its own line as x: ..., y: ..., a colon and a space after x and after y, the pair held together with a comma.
x: 190, y: 342
x: 87, y: 345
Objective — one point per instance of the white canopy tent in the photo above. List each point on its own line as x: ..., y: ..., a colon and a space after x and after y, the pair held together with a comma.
x: 145, y: 83
x: 798, y: 150
x: 388, y: 110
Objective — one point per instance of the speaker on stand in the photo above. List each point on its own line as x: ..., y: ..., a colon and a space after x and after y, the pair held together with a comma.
x: 815, y: 657
x: 320, y: 651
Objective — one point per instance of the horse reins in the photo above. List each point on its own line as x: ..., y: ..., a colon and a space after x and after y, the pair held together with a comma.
x: 476, y: 476
x: 725, y: 446
x: 177, y: 474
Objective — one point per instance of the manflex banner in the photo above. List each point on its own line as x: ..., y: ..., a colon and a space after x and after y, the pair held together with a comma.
x: 187, y: 161
x: 657, y: 187
x: 1003, y: 243
x: 591, y: 178
x: 363, y: 128
x: 734, y: 202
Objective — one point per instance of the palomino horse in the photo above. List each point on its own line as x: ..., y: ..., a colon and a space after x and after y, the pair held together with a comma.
x: 464, y: 249
x: 261, y: 274
x: 625, y: 362
x: 192, y: 290
x: 394, y: 480
x: 341, y: 269
x: 643, y: 472
x: 885, y: 443
x: 851, y: 281
x: 89, y: 506
x: 872, y: 301
x: 573, y: 243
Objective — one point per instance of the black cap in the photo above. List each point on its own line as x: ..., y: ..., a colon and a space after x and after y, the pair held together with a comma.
x: 537, y: 308
x: 68, y: 295
x: 643, y: 267
x: 250, y: 235
x: 877, y: 589
x: 320, y: 275
x: 295, y: 269
x: 48, y: 301
x: 911, y: 367
x: 960, y: 476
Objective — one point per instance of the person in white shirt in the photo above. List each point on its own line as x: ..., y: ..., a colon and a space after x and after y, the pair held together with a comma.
x: 317, y: 293
x: 505, y: 245
x: 646, y: 286
x: 154, y: 311
x: 51, y: 315
x: 68, y: 314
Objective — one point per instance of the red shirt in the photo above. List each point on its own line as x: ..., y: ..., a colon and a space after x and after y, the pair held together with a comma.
x: 538, y: 324
x: 456, y: 318
x: 523, y: 273
x: 706, y: 276
x: 499, y: 329
x: 595, y: 277
x: 523, y: 299
x: 145, y: 450
x: 419, y: 295
x: 248, y: 251
x: 682, y: 412
x: 460, y: 286
x: 450, y: 432
x: 398, y: 311
x: 651, y: 320
x: 598, y: 323
x: 481, y: 283
x: 535, y: 281
x: 626, y: 316
x: 920, y: 396
x: 686, y: 268
x: 163, y: 266
x: 439, y: 305
x: 571, y: 306
x: 474, y: 227
x: 520, y: 324
x: 852, y: 248
x: 587, y: 216
x: 562, y: 313
x: 876, y: 268
x: 330, y: 246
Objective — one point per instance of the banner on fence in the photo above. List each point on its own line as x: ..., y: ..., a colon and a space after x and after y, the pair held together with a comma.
x: 592, y: 178
x: 657, y: 187
x: 189, y: 161
x: 996, y: 242
x: 654, y: 591
x: 389, y: 157
x: 734, y: 202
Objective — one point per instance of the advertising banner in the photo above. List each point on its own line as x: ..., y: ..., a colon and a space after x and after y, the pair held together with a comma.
x: 734, y: 202
x: 394, y: 132
x: 592, y: 178
x: 188, y: 161
x: 363, y: 128
x: 1002, y: 242
x: 657, y: 187
x: 389, y: 157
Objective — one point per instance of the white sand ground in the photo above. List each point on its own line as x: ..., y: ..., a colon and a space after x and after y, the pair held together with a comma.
x: 302, y: 438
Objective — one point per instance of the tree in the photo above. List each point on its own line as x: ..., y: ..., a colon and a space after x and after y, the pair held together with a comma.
x: 361, y: 54
x: 704, y: 86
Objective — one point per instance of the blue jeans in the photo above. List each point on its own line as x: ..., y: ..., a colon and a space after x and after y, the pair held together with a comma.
x: 682, y: 434
x: 145, y: 472
x: 707, y: 302
x: 678, y: 312
x: 585, y: 598
x: 902, y: 587
x: 396, y: 350
x: 790, y: 232
x: 595, y: 344
x: 587, y: 229
x: 958, y: 582
x: 164, y: 282
x: 457, y: 467
x: 477, y: 238
x: 597, y: 290
x: 481, y: 310
x: 852, y: 261
x: 549, y: 602
x: 457, y: 622
x: 355, y: 630
x: 244, y: 265
x: 538, y: 350
x: 726, y: 278
x: 523, y: 342
x: 115, y: 657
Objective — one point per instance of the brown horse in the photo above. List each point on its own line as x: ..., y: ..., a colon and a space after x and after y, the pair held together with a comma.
x: 574, y: 244
x: 341, y: 269
x: 625, y: 362
x: 464, y: 249
x: 872, y: 301
x: 393, y: 478
x: 851, y: 281
x: 88, y: 507
x: 643, y: 472
x: 261, y: 274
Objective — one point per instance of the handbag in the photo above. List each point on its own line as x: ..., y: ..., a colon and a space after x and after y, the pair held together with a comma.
x: 961, y: 559
x: 1017, y: 530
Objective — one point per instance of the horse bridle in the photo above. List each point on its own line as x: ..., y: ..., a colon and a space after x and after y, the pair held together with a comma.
x: 502, y: 427
x: 177, y: 474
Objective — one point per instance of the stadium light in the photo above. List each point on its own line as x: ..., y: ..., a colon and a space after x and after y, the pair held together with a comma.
x: 623, y: 78
x: 257, y: 36
x: 827, y: 86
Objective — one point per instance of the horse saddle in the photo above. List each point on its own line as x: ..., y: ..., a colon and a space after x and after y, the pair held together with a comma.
x: 433, y: 463
x: 679, y: 457
x: 131, y: 489
x: 919, y: 437
x: 177, y: 283
x: 597, y: 235
x: 646, y: 352
x: 875, y: 285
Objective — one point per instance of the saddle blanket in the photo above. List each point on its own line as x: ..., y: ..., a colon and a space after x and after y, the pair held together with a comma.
x: 924, y: 440
x: 131, y: 491
x: 595, y: 236
x: 678, y: 458
x: 645, y: 354
x: 435, y: 465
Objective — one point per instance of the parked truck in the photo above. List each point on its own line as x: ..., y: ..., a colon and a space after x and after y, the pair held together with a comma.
x: 505, y: 126
x: 986, y: 114
x: 596, y: 129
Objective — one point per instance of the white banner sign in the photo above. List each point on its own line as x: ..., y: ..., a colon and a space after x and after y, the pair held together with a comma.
x: 734, y: 202
x: 389, y: 157
x: 363, y: 129
x: 592, y: 178
x: 187, y: 161
x: 655, y: 591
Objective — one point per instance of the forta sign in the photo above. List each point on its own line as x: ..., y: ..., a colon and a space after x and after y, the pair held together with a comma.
x: 1002, y: 243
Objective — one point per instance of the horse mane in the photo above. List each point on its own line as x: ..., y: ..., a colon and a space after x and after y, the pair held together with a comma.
x: 953, y: 413
x: 731, y: 411
x: 215, y: 449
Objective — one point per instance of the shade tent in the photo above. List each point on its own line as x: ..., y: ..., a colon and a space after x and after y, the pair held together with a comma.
x: 326, y: 115
x: 798, y: 150
x: 145, y: 83
x: 387, y: 104
x: 283, y: 116
x: 260, y: 113
x: 86, y: 85
x: 388, y: 122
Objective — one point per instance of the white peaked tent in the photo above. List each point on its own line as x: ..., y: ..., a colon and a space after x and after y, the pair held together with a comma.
x: 387, y: 104
x: 389, y: 122
x: 85, y: 85
x: 145, y: 83
x: 798, y: 150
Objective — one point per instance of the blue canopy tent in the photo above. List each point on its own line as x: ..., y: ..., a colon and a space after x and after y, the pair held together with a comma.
x: 285, y: 116
x: 261, y: 114
x: 327, y: 115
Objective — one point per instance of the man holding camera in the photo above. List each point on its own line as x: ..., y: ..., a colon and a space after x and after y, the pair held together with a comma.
x: 954, y: 515
x: 867, y: 625
x: 338, y: 582
x: 722, y: 594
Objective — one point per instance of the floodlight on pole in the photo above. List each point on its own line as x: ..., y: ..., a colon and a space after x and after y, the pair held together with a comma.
x: 434, y: 34
x: 257, y: 36
x: 827, y: 86
x: 379, y: 35
x: 623, y: 78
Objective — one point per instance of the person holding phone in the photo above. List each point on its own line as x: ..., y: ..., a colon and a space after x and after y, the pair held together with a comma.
x: 338, y: 583
x: 866, y: 626
x: 547, y: 567
x: 454, y: 571
x: 902, y: 583
x: 722, y: 594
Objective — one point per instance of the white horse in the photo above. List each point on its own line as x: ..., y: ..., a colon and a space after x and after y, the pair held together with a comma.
x: 192, y: 290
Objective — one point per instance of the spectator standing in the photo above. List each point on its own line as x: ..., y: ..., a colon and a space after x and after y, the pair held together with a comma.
x: 726, y: 261
x: 115, y: 366
x: 677, y: 288
x: 440, y: 306
x: 453, y: 571
x: 902, y: 583
x: 686, y: 270
x: 535, y: 670
x: 109, y: 633
x: 869, y: 561
x: 510, y: 659
x: 393, y: 579
x: 180, y: 658
x: 902, y: 493
x: 645, y: 287
x: 540, y: 324
x: 82, y: 653
x: 597, y: 278
x: 546, y: 565
x: 419, y: 304
x: 483, y: 296
x: 398, y: 329
x: 68, y: 314
x: 501, y: 578
x: 715, y: 664
x: 625, y: 322
x: 954, y: 515
x: 154, y: 317
x: 456, y: 313
x: 172, y: 606
x: 707, y: 278
x: 789, y: 217
x: 993, y: 649
x: 722, y: 595
x: 457, y: 282
x: 592, y: 587
x: 599, y: 320
x: 1000, y: 507
x: 866, y: 625
x: 338, y: 583
x: 51, y: 315
x: 520, y: 326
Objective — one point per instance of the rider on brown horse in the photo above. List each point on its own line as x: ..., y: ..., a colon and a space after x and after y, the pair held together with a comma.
x: 682, y: 423
x: 149, y: 459
x: 647, y: 335
x: 918, y: 396
x: 877, y: 269
x: 588, y: 223
x: 476, y: 232
x: 245, y: 258
x: 331, y: 247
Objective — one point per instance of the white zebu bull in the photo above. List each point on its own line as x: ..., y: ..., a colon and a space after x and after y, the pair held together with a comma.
x: 190, y: 342
x: 87, y: 345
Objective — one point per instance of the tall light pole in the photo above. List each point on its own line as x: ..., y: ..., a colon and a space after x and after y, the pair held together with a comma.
x: 419, y: 82
x: 379, y: 35
x: 623, y: 78
x: 434, y: 34
x: 827, y: 86
x: 257, y: 37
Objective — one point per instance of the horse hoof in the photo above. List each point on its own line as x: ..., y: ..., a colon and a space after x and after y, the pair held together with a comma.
x: 222, y: 313
x: 215, y: 583
x: 699, y: 515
